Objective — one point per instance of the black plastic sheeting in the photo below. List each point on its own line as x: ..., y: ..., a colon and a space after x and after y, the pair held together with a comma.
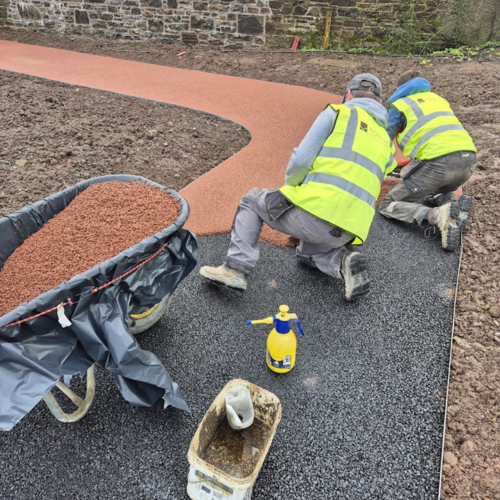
x: 35, y: 354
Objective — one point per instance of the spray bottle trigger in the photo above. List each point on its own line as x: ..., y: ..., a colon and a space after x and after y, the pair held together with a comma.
x: 299, y: 327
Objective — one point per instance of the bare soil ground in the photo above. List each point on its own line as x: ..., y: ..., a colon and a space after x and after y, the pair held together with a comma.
x: 472, y: 462
x: 55, y: 135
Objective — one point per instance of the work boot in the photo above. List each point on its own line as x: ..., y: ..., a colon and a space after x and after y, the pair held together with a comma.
x: 226, y: 276
x: 464, y: 205
x: 445, y: 219
x: 357, y: 282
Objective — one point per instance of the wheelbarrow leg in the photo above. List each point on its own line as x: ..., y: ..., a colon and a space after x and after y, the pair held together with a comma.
x: 82, y: 404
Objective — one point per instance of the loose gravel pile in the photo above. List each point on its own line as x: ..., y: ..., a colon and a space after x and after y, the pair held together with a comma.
x: 98, y: 224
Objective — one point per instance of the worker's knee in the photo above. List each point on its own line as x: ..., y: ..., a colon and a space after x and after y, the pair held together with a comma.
x: 253, y: 194
x: 251, y: 199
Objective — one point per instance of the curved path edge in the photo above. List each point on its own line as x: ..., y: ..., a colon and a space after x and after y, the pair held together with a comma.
x: 277, y: 116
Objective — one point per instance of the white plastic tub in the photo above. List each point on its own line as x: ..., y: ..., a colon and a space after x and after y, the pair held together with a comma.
x: 205, y: 481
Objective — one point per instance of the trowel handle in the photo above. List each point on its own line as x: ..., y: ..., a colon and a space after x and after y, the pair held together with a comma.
x: 299, y: 327
x: 267, y: 321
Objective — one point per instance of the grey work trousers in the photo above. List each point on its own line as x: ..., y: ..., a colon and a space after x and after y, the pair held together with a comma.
x: 433, y: 182
x: 322, y: 245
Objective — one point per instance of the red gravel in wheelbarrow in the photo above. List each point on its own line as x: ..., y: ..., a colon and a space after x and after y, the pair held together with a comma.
x: 98, y: 224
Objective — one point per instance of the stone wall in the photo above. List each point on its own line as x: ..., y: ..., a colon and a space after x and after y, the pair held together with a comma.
x: 232, y: 23
x: 5, y: 13
x: 373, y: 22
x: 217, y: 22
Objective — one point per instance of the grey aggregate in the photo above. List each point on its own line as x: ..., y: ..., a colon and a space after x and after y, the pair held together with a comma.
x: 363, y: 409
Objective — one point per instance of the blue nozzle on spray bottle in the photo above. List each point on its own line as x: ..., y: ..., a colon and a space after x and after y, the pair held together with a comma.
x: 281, y: 342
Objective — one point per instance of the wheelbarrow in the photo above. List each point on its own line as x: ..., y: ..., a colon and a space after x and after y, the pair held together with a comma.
x: 138, y: 323
x: 92, y: 317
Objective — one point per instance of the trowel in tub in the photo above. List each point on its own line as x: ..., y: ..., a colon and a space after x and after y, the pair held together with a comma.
x: 239, y: 408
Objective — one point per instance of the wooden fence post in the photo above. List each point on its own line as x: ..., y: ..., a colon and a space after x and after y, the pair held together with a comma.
x: 328, y: 23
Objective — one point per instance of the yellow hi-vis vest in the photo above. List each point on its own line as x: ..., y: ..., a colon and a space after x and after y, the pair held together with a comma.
x: 344, y: 182
x: 432, y: 129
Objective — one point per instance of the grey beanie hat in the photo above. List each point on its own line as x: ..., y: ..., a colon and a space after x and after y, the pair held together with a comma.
x: 376, y: 87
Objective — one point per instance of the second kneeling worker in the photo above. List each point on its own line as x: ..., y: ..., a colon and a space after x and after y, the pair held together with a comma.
x: 332, y: 182
x: 443, y: 158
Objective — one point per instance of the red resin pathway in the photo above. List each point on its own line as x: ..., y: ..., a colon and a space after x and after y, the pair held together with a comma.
x: 278, y: 116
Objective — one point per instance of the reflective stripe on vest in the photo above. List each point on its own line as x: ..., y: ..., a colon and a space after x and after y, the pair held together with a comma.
x: 365, y: 162
x: 346, y: 153
x: 345, y: 179
x: 350, y: 131
x: 432, y: 133
x: 343, y: 184
x: 392, y: 163
x: 428, y: 115
x: 422, y: 119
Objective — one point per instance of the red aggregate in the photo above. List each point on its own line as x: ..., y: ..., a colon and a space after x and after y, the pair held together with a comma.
x: 279, y: 239
x: 98, y: 224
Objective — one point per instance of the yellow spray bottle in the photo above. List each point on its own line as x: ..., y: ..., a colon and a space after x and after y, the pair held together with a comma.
x: 281, y: 343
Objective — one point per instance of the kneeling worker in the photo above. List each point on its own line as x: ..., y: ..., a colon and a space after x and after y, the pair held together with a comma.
x: 443, y: 158
x: 331, y: 184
